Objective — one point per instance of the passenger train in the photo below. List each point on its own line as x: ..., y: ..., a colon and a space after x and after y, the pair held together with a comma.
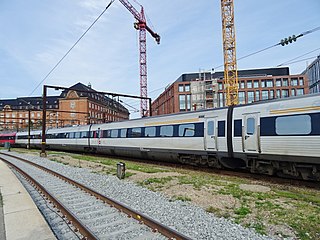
x: 277, y: 137
x: 7, y: 137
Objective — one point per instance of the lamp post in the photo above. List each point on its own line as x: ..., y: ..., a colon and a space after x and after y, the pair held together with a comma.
x: 44, y: 120
x: 29, y: 126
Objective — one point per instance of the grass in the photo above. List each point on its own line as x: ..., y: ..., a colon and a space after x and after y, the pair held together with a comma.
x: 242, y: 211
x: 259, y: 227
x: 141, y: 167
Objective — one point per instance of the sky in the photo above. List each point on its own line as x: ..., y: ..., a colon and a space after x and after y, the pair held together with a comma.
x: 35, y: 34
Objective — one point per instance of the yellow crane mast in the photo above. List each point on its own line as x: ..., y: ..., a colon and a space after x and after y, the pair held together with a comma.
x: 229, y: 51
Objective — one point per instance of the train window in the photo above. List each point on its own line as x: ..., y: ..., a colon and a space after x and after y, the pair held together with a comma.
x: 114, y: 133
x: 186, y: 130
x: 135, y: 132
x: 210, y: 129
x: 71, y: 135
x: 85, y: 134
x: 91, y: 134
x: 237, y: 131
x: 99, y: 133
x: 292, y: 125
x: 123, y: 133
x: 251, y: 125
x: 150, y: 132
x: 166, y: 131
x: 77, y: 134
x: 106, y: 133
x: 221, y: 128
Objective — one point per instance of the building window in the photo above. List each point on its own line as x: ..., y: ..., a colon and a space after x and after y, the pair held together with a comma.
x: 250, y: 96
x: 221, y: 100
x: 220, y: 86
x: 242, y: 99
x: 187, y: 88
x: 264, y: 95
x: 293, y: 92
x: 278, y: 82
x: 285, y: 93
x: 182, y: 102
x: 263, y: 83
x: 180, y: 88
x: 285, y: 82
x: 257, y: 95
x: 249, y: 84
x: 278, y: 93
x: 271, y: 94
x: 301, y: 82
x: 300, y: 91
x: 294, y: 81
x: 270, y: 83
x: 256, y: 84
x: 242, y: 84
x: 188, y: 102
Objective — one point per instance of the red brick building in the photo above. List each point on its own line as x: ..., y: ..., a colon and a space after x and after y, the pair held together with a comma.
x: 72, y: 107
x: 206, y: 90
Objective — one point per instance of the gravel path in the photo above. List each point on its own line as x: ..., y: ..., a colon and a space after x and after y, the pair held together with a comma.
x: 185, y: 218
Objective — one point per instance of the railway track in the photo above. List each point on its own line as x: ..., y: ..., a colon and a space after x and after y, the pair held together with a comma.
x: 91, y: 214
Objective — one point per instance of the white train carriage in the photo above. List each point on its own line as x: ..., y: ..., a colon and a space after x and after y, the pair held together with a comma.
x: 69, y: 138
x: 187, y: 137
x: 280, y: 136
x: 22, y: 138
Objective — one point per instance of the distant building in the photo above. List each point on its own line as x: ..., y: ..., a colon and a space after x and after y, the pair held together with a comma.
x: 72, y: 107
x: 193, y: 91
x: 313, y: 74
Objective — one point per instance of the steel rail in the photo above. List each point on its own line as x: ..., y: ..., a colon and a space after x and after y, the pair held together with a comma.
x: 84, y: 231
x: 143, y: 219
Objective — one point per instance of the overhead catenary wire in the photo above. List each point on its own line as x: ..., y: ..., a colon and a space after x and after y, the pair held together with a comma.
x: 272, y: 46
x: 286, y: 62
x: 301, y: 60
x: 66, y: 54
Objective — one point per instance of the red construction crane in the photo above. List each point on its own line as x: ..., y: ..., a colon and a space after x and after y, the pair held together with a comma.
x: 141, y: 25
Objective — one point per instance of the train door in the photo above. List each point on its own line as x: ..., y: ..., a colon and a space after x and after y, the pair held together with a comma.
x: 210, y: 142
x: 251, y: 132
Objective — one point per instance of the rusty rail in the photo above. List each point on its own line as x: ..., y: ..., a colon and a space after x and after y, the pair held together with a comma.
x: 85, y: 232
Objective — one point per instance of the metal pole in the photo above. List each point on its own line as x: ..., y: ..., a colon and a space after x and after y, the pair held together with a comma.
x: 150, y: 110
x: 44, y: 119
x: 29, y: 126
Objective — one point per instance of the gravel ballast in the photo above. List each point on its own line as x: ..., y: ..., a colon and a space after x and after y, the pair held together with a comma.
x: 185, y: 218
